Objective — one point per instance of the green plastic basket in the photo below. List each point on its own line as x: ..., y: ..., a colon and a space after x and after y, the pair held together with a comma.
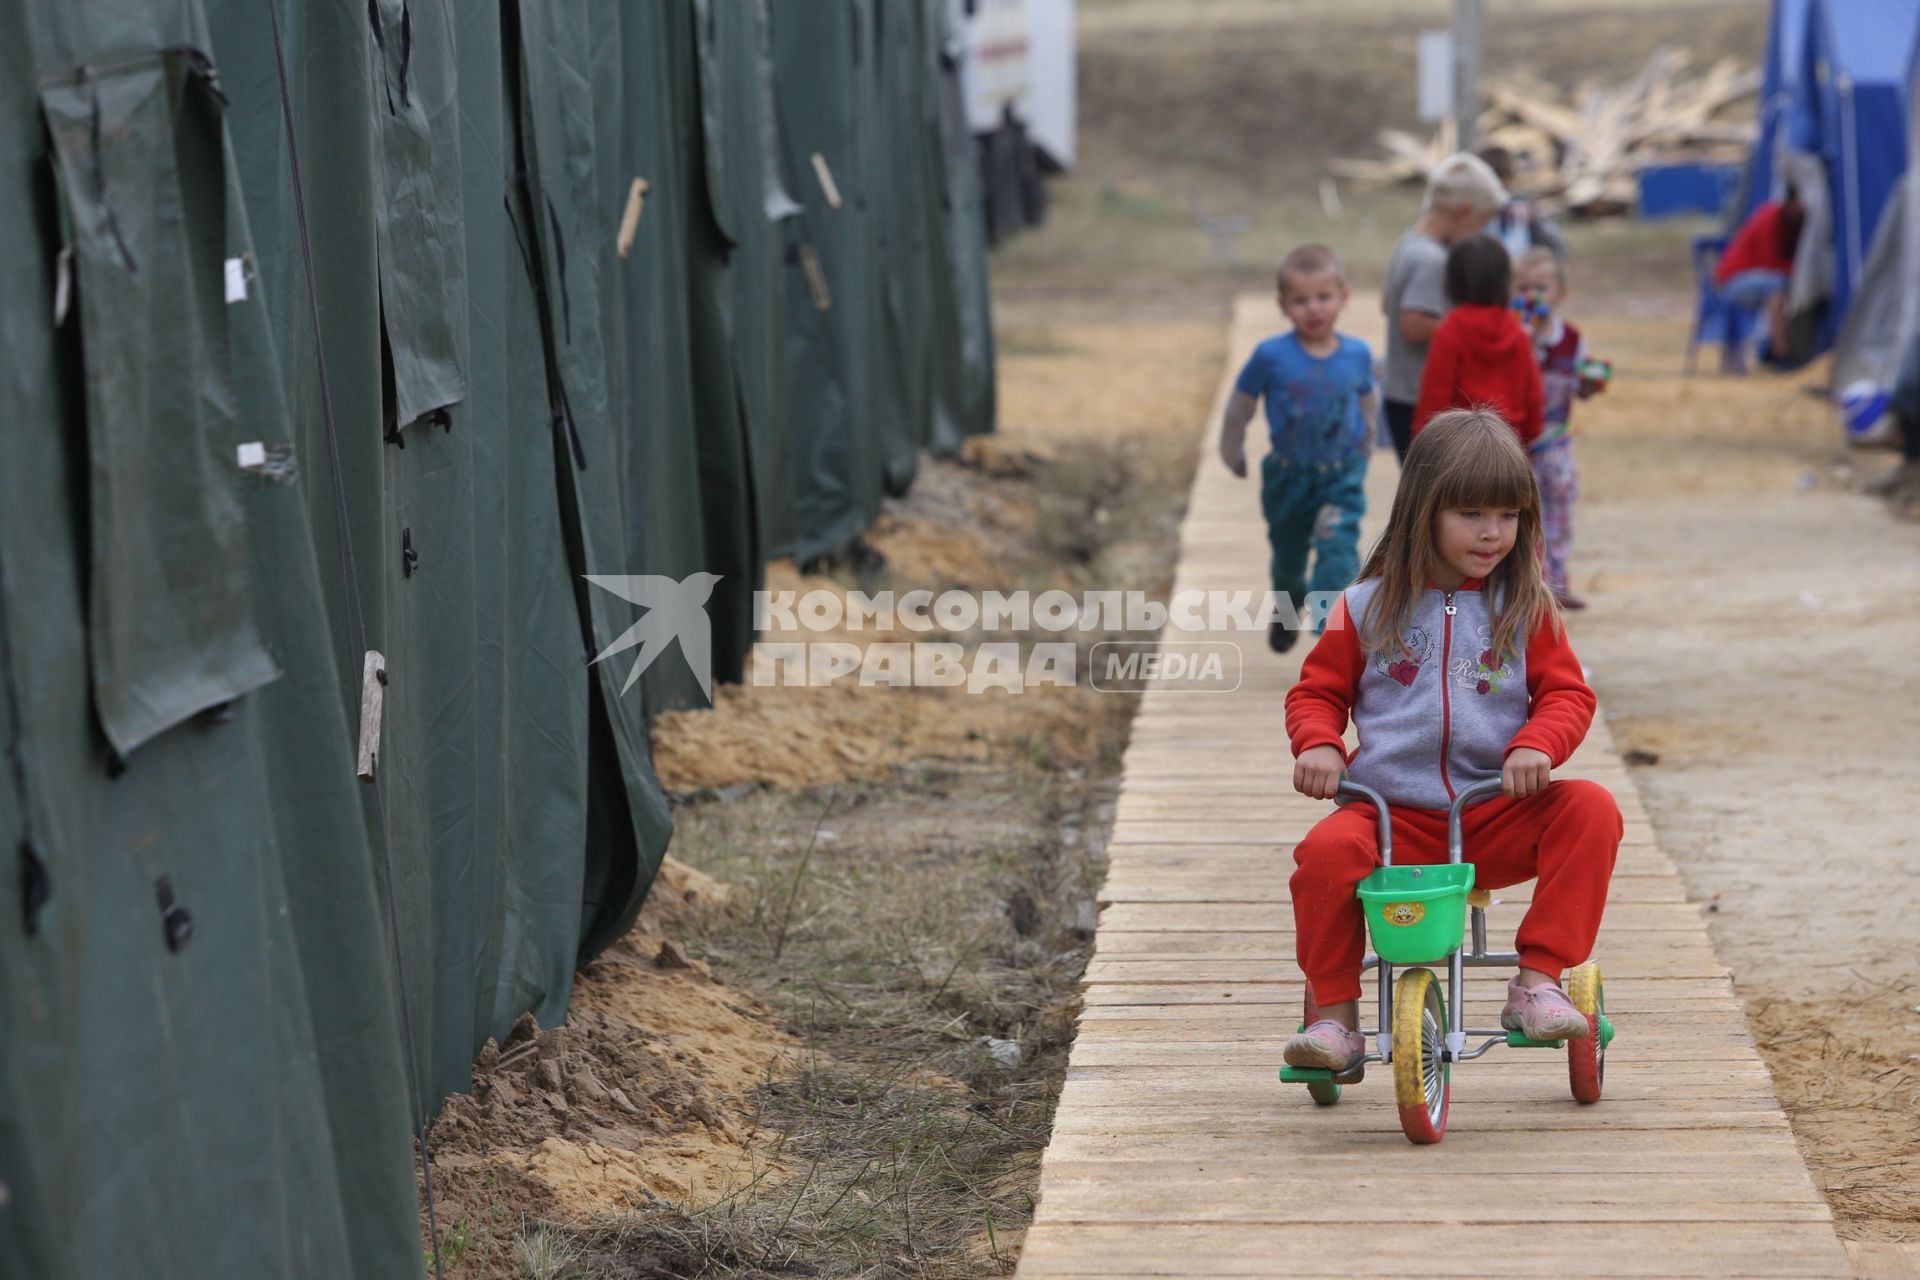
x: 1417, y: 913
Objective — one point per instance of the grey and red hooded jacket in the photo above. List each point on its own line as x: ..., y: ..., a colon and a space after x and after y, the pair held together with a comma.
x: 1442, y: 714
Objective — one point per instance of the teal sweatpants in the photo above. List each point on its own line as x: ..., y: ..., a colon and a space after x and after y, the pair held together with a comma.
x: 1317, y: 508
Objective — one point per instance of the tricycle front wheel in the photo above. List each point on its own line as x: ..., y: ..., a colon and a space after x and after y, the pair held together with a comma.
x: 1422, y: 1077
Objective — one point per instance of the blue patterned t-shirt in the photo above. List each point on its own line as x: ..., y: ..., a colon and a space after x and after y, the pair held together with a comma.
x: 1313, y: 402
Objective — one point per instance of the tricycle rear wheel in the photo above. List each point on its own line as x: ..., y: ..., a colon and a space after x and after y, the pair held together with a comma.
x: 1587, y: 1056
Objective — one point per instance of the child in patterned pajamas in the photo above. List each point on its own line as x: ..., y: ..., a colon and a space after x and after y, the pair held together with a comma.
x: 1541, y: 281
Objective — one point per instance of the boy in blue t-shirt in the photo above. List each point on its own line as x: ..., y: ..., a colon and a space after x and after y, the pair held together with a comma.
x: 1318, y: 385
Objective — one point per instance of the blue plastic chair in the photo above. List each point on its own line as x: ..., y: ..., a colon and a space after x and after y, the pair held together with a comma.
x: 1717, y: 319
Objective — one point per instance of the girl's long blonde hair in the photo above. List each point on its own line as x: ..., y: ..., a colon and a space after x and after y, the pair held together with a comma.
x: 1465, y: 458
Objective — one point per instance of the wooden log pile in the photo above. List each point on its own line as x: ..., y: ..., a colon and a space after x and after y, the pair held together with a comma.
x: 1581, y: 153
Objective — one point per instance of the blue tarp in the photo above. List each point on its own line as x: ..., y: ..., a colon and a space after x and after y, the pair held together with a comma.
x: 1857, y: 59
x: 1835, y: 87
x: 1780, y: 80
x: 1669, y: 190
x: 1883, y: 320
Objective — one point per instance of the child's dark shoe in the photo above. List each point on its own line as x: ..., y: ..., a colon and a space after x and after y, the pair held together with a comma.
x: 1569, y: 601
x: 1542, y: 1013
x: 1280, y: 638
x: 1328, y: 1045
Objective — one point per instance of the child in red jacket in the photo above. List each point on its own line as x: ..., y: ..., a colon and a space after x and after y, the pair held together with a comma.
x: 1449, y: 657
x: 1482, y: 357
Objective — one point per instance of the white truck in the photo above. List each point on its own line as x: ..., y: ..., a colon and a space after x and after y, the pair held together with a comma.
x: 1017, y: 76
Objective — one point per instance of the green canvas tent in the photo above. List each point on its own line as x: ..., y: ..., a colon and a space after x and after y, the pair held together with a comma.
x: 559, y: 292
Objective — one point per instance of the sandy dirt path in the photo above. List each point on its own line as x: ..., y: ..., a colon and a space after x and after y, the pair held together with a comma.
x: 1754, y: 626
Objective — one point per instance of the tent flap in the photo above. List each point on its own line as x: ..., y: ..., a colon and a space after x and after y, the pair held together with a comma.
x: 142, y: 176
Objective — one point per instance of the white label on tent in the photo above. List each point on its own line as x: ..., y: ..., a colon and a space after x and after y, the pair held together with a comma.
x: 816, y: 277
x: 252, y: 455
x: 827, y: 185
x: 62, y: 286
x: 1436, y: 75
x: 236, y: 280
x: 630, y: 217
x: 373, y: 683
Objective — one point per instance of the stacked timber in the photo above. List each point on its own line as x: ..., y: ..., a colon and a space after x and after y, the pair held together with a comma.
x: 1582, y: 152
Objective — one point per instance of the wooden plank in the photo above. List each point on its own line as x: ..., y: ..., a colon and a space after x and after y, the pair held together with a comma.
x: 1513, y: 1125
x: 1263, y: 833
x: 1261, y: 885
x: 1261, y: 842
x: 1657, y: 1060
x: 1358, y: 1175
x: 1636, y: 877
x: 1232, y: 969
x: 1514, y: 1073
x: 1410, y: 1243
x: 1261, y: 917
x: 1544, y: 1081
x: 1649, y: 1048
x: 1745, y: 1152
x: 1278, y: 943
x: 1214, y: 1197
x: 1240, y: 805
x: 1659, y: 993
x: 1479, y: 1090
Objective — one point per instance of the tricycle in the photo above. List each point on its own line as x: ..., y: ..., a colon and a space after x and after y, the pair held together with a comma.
x: 1422, y: 916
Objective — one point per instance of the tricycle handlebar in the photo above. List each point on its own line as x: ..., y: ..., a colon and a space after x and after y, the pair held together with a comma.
x: 1357, y: 791
x: 1455, y: 851
x: 1455, y: 847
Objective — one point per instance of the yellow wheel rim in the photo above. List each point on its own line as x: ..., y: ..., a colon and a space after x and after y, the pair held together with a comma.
x: 1420, y: 1070
x: 1584, y: 989
x: 1589, y: 995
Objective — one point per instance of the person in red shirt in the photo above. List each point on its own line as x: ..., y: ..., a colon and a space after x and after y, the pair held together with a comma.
x: 1482, y: 357
x: 1754, y: 267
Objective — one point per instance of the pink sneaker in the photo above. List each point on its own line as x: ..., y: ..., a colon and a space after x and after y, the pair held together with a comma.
x: 1326, y: 1044
x: 1542, y: 1013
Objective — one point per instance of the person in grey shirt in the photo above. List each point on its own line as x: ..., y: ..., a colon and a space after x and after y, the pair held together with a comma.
x: 1463, y: 196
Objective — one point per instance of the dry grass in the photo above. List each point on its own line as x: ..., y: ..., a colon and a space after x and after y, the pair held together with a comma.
x: 893, y: 926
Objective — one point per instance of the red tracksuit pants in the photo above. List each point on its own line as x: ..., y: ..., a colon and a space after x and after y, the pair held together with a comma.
x: 1565, y: 836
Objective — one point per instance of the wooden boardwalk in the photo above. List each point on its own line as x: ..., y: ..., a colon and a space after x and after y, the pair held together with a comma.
x: 1177, y: 1152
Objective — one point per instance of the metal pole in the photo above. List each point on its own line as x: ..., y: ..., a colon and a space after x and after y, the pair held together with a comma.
x: 1466, y: 69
